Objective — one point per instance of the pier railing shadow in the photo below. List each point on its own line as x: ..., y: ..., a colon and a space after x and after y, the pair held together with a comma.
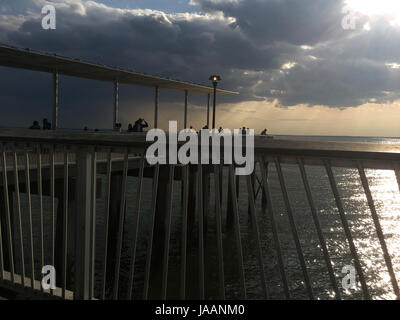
x: 115, y: 227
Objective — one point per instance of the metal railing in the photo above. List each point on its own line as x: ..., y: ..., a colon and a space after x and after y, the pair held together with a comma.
x: 116, y: 228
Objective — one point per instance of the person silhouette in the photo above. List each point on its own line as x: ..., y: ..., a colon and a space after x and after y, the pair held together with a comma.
x: 35, y: 125
x: 139, y: 125
x: 46, y: 124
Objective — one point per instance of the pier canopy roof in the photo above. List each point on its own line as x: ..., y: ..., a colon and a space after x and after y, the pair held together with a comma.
x: 45, y: 62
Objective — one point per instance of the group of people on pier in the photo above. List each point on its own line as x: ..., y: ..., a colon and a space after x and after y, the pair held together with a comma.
x: 138, y: 126
x: 36, y: 125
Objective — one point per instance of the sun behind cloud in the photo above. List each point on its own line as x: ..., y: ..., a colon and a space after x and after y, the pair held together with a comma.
x: 387, y: 8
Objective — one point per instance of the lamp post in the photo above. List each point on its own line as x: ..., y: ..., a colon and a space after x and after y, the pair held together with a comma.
x: 214, y: 80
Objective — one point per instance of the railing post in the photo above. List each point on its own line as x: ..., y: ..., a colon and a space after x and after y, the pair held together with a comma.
x: 83, y: 213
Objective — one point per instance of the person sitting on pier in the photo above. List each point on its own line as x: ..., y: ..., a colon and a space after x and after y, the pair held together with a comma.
x: 130, y: 127
x: 220, y: 130
x: 46, y: 124
x: 139, y: 125
x: 35, y: 125
x: 264, y: 132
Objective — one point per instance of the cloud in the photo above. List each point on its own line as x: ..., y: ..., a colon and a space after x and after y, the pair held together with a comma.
x: 330, y: 66
x: 305, y: 22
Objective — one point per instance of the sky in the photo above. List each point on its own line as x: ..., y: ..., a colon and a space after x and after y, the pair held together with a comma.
x: 309, y: 67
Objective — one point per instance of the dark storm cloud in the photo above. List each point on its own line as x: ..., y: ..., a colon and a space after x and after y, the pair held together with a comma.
x: 293, y: 21
x: 152, y: 42
x: 247, y: 42
x: 336, y: 84
x: 350, y: 68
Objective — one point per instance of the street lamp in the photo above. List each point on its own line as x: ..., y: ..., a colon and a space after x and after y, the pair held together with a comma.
x: 214, y: 80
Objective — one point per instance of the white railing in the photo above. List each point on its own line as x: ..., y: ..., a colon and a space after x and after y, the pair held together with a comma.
x: 95, y: 249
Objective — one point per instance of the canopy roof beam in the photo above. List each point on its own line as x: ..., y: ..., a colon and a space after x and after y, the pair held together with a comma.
x: 38, y: 61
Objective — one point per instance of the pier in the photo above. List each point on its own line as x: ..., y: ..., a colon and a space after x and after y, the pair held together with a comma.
x: 116, y: 227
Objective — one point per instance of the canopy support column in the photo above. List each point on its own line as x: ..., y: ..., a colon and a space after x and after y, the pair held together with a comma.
x: 115, y: 113
x: 214, y: 103
x: 55, y: 101
x: 186, y: 106
x: 156, y: 107
x: 208, y: 110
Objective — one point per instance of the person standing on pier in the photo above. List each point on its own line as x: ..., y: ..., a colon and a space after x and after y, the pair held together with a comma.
x: 46, y: 124
x: 139, y: 125
x: 35, y: 125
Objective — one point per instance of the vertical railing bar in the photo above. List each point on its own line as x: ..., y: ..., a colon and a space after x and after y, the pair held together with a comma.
x: 270, y: 212
x: 1, y: 254
x: 121, y: 225
x: 200, y: 229
x: 1, y: 242
x: 93, y: 225
x: 318, y: 228
x: 136, y: 227
x: 8, y: 215
x: 237, y: 230
x: 294, y: 229
x: 65, y: 225
x: 30, y: 235
x: 218, y: 218
x: 151, y: 232
x: 185, y: 195
x: 378, y: 228
x: 40, y: 194
x: 346, y: 228
x: 21, y: 241
x: 256, y: 230
x: 53, y: 213
x: 397, y: 173
x: 167, y: 230
x: 106, y: 223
